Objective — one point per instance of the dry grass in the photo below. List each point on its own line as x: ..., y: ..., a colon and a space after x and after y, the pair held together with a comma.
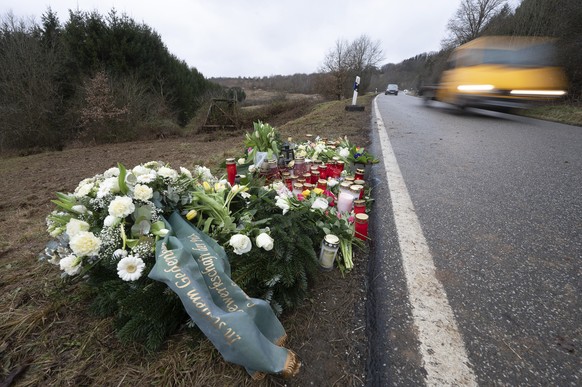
x: 47, y: 335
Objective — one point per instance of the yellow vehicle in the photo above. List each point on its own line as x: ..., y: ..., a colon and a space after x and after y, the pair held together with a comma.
x: 500, y: 73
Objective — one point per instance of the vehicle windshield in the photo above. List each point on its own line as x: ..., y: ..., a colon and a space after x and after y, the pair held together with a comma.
x: 539, y: 55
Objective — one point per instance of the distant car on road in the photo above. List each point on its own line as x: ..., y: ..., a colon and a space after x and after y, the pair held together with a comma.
x: 392, y: 89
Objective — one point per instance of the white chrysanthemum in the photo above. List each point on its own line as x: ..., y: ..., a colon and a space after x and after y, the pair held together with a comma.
x: 265, y: 241
x: 320, y: 147
x: 111, y: 172
x: 147, y: 178
x: 240, y: 243
x: 252, y: 168
x: 320, y: 203
x: 185, y: 171
x: 130, y: 268
x: 85, y: 243
x: 70, y: 264
x: 143, y: 192
x: 121, y: 206
x: 83, y: 190
x: 75, y: 226
x: 168, y: 173
x: 107, y: 186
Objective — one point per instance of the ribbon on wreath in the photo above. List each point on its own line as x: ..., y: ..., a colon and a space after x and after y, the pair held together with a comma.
x: 244, y: 330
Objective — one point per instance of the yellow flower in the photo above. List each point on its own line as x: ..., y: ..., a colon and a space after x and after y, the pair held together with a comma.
x: 191, y: 214
x: 206, y: 186
x: 306, y: 193
x: 318, y: 191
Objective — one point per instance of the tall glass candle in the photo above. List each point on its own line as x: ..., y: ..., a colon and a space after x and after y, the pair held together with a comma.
x: 231, y: 170
x: 344, y: 202
x: 329, y: 248
x: 361, y: 226
x: 359, y: 206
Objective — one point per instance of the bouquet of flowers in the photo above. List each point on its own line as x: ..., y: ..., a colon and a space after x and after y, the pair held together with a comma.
x: 105, y: 233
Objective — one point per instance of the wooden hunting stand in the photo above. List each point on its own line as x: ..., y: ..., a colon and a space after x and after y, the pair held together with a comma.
x: 222, y: 114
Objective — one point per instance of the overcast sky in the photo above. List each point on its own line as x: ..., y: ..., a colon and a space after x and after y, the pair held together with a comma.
x: 231, y: 38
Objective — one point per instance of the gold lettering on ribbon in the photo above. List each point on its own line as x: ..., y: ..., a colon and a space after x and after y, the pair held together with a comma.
x: 183, y: 281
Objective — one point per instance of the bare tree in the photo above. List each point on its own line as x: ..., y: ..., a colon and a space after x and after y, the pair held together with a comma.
x: 336, y: 63
x: 470, y: 19
x: 364, y: 56
x: 346, y: 60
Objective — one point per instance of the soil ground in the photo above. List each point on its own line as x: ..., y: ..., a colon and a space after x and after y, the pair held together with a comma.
x: 47, y: 335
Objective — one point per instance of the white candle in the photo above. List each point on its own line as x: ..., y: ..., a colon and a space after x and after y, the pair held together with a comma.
x: 344, y: 202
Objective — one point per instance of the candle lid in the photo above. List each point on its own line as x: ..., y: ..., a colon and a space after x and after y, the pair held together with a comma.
x: 361, y: 218
x: 359, y: 182
x: 230, y: 161
x: 356, y: 187
x: 359, y: 202
x: 331, y: 239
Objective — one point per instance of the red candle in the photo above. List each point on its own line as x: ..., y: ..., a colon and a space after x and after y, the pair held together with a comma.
x: 361, y: 226
x: 359, y: 174
x: 231, y: 170
x: 359, y: 206
x: 322, y: 171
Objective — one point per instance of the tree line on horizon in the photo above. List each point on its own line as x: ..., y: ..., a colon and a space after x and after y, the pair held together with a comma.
x: 93, y: 78
x: 107, y: 78
x: 559, y: 19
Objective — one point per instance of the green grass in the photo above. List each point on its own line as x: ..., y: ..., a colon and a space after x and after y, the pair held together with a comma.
x: 565, y: 113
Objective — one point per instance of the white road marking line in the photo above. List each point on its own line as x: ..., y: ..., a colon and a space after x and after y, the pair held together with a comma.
x: 441, y: 345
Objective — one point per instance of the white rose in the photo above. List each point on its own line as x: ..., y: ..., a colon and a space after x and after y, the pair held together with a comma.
x: 332, y: 182
x: 344, y: 152
x: 75, y: 226
x: 320, y: 203
x: 282, y: 204
x: 265, y: 241
x: 85, y: 243
x: 139, y: 170
x: 241, y: 161
x: 143, y: 192
x: 121, y: 206
x: 186, y: 172
x: 168, y: 173
x: 240, y: 243
x: 70, y: 264
x: 111, y: 172
x: 110, y: 221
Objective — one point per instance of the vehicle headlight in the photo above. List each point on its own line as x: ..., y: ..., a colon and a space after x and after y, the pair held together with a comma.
x: 471, y: 88
x: 553, y: 93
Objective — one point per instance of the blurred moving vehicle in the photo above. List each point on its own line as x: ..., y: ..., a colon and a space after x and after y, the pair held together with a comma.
x: 500, y: 73
x: 391, y: 89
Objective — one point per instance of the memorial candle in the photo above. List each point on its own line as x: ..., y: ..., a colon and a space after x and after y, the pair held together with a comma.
x: 231, y: 170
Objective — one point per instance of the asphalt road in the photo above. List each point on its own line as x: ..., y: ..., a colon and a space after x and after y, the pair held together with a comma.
x: 499, y: 201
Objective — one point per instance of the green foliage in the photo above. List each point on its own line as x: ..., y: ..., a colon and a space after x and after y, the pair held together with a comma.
x: 52, y: 62
x: 145, y: 314
x: 283, y: 275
